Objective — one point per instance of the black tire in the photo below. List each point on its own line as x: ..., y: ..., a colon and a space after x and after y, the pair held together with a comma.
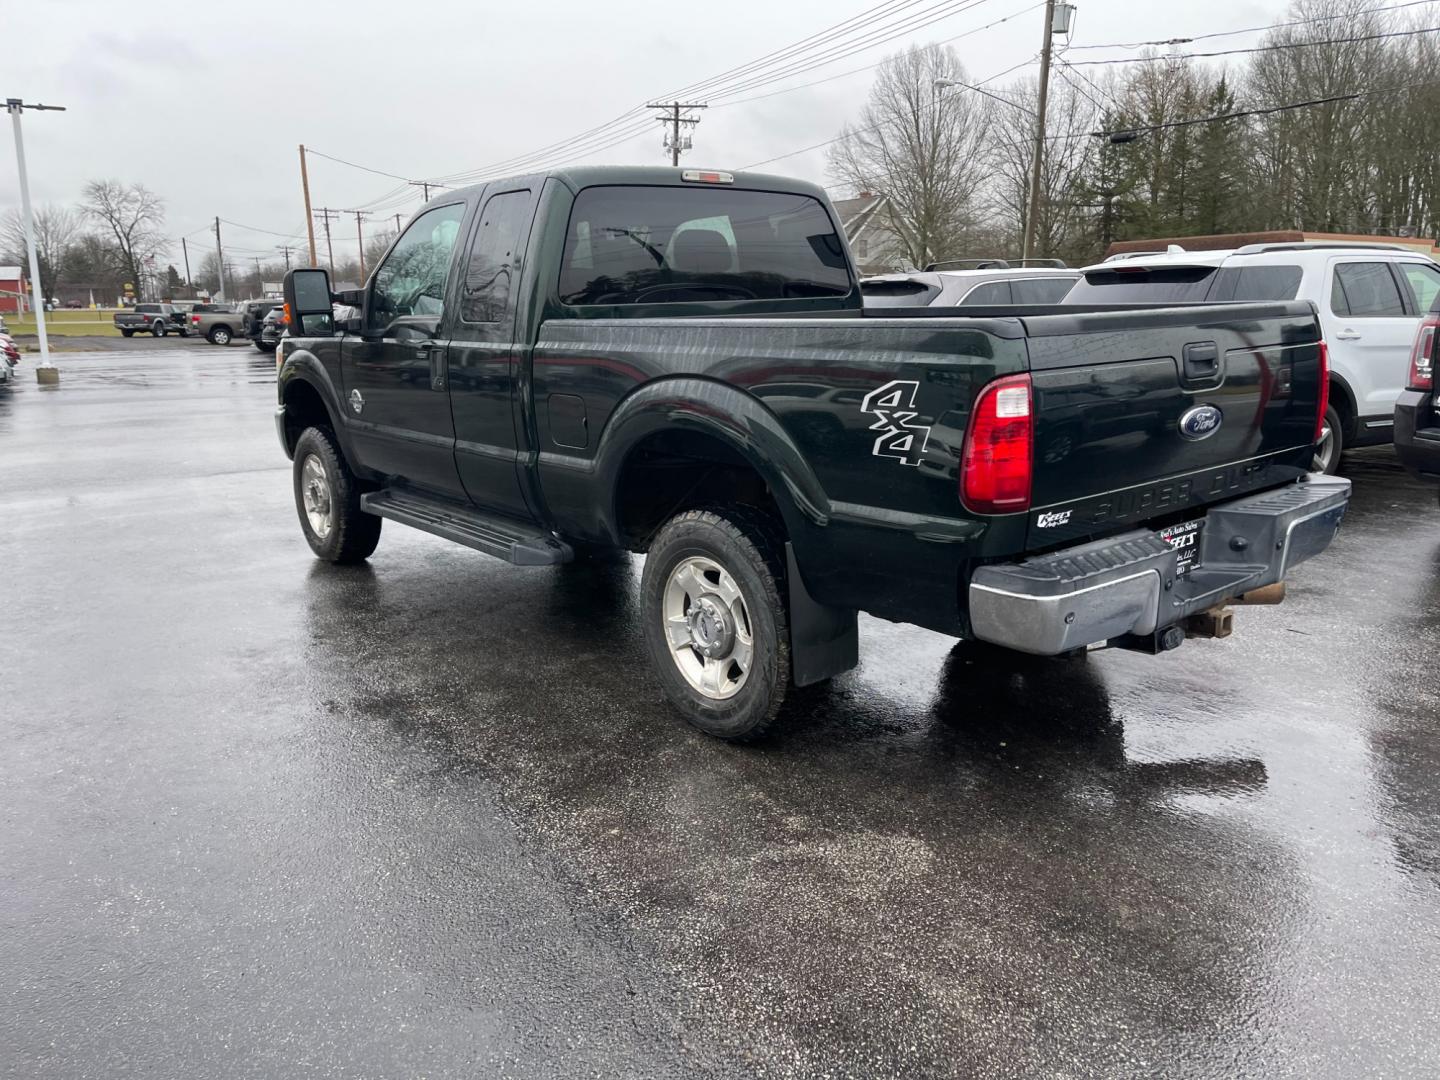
x: 749, y: 547
x: 158, y: 328
x: 127, y: 333
x: 1327, y: 458
x: 183, y: 332
x: 352, y: 533
x: 260, y: 346
x: 218, y: 335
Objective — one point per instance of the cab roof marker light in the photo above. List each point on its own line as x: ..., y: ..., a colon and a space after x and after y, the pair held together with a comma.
x: 705, y: 176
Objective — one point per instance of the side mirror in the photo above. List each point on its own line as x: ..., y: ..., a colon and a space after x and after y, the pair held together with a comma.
x: 307, y: 302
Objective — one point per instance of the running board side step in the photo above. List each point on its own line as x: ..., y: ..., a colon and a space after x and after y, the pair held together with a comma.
x: 514, y: 541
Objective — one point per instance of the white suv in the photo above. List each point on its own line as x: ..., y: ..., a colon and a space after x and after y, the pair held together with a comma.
x: 971, y: 283
x: 1370, y: 298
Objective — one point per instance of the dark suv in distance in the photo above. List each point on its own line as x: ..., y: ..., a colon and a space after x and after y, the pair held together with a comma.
x: 1417, y: 419
x: 254, y: 313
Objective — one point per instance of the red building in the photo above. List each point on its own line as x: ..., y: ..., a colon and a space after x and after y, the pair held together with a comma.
x: 11, y: 290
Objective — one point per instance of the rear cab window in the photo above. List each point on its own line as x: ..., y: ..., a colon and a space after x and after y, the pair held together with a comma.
x: 658, y: 245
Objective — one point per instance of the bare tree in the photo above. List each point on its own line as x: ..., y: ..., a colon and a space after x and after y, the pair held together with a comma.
x: 923, y: 149
x: 55, y: 231
x: 132, y: 214
x: 1072, y: 114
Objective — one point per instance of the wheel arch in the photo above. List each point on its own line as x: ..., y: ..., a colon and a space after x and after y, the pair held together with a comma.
x: 710, y: 421
x: 1342, y: 397
x: 309, y: 396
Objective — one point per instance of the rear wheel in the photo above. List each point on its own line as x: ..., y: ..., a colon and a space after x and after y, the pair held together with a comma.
x: 1330, y: 443
x: 158, y: 328
x: 327, y: 498
x: 219, y: 335
x: 716, y: 621
x: 127, y: 333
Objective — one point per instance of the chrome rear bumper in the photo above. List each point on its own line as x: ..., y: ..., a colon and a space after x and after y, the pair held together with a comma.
x: 1130, y: 585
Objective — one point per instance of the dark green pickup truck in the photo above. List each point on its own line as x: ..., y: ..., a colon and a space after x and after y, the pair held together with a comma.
x: 679, y: 363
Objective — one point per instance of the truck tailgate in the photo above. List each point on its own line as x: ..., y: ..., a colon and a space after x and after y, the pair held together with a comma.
x: 1150, y: 415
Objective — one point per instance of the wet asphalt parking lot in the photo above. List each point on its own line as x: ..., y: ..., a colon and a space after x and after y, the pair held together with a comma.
x: 430, y: 816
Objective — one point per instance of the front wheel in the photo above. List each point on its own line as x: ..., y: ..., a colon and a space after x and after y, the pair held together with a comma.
x: 1330, y: 444
x: 327, y: 498
x: 716, y: 620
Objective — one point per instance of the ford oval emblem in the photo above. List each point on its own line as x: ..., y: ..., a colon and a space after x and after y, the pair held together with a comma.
x: 1200, y: 422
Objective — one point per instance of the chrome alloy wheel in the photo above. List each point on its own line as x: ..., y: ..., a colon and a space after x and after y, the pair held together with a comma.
x: 1324, y: 449
x: 315, y: 492
x: 708, y: 627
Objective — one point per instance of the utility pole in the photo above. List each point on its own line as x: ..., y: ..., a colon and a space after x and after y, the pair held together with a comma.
x: 286, y: 249
x: 360, y: 236
x: 674, y: 119
x: 220, y: 259
x: 186, y: 250
x: 309, y: 217
x: 397, y: 224
x: 1027, y: 241
x: 325, y: 213
x: 46, y: 372
x: 259, y: 276
x: 423, y: 185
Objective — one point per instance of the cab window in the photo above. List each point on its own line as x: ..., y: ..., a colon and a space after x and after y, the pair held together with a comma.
x: 411, y: 280
x: 496, y: 255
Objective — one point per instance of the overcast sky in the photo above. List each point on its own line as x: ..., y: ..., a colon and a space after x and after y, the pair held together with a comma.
x: 206, y: 103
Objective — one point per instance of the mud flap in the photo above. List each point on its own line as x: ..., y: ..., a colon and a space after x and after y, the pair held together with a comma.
x: 824, y: 640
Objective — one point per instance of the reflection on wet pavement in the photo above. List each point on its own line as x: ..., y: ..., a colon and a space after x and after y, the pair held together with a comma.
x: 431, y: 814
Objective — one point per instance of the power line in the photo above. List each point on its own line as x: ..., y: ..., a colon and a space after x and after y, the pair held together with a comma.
x: 872, y: 67
x: 1127, y: 134
x: 875, y: 127
x: 869, y: 41
x: 629, y: 125
x: 362, y: 168
x: 253, y: 228
x: 1256, y: 49
x: 1251, y: 29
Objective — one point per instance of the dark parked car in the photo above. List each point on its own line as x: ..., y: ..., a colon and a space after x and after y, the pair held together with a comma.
x: 1417, y: 417
x: 157, y: 319
x: 678, y: 362
x: 254, y: 312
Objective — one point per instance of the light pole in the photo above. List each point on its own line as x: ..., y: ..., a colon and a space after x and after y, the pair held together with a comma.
x: 46, y: 372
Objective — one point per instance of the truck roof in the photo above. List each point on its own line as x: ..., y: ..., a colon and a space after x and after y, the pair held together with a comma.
x: 581, y: 176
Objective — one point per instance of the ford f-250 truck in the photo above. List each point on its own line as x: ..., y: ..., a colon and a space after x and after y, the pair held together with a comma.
x: 678, y: 363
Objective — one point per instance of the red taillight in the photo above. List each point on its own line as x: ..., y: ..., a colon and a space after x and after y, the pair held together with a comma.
x: 1324, y: 391
x: 995, y: 468
x: 195, y: 319
x: 1422, y: 356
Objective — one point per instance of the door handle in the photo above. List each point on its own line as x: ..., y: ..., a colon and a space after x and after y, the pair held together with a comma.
x: 1347, y: 335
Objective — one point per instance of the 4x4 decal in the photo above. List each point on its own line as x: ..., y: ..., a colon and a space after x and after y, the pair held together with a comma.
x: 893, y: 406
